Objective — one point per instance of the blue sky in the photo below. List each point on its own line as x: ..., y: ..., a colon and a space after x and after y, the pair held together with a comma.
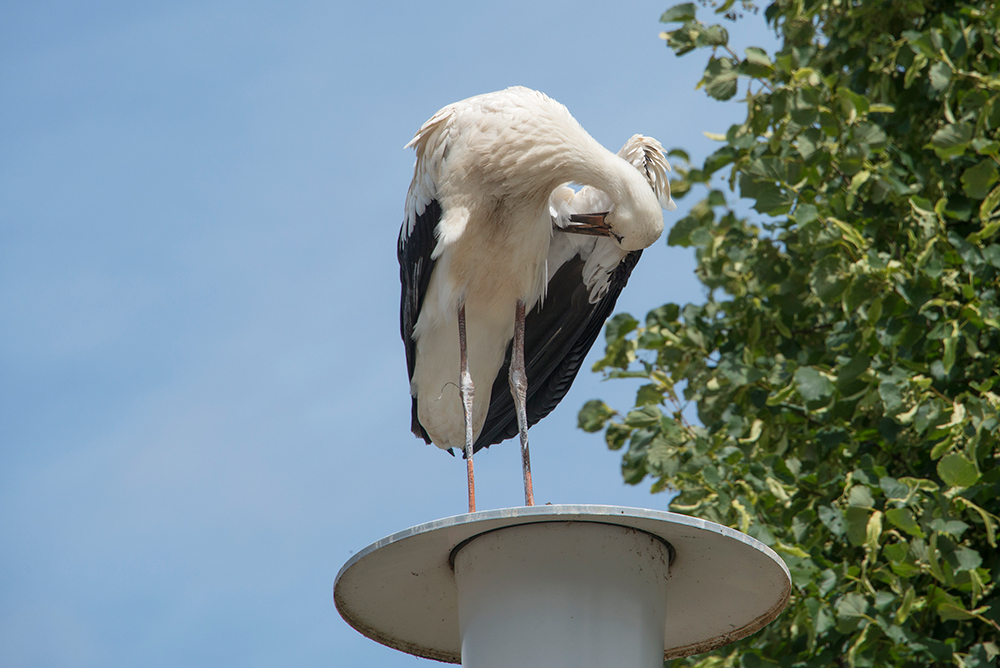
x: 203, y: 396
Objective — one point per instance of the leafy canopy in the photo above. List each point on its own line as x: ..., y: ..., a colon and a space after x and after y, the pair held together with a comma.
x: 845, y: 363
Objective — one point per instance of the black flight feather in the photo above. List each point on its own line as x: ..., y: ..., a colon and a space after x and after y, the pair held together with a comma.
x: 415, y: 267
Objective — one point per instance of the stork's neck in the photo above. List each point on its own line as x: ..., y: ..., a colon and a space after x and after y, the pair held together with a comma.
x: 598, y: 167
x: 636, y: 216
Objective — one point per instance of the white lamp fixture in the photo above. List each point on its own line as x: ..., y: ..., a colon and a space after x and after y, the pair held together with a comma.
x: 562, y: 586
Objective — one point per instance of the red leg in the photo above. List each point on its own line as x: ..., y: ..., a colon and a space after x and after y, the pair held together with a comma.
x: 519, y: 389
x: 468, y: 392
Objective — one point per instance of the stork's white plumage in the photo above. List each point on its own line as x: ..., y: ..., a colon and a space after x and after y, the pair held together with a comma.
x: 508, y: 274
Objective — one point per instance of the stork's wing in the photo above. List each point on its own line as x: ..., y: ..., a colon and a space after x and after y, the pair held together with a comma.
x: 559, y: 333
x: 416, y: 243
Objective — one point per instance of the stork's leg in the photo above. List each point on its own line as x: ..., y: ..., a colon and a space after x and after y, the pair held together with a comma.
x: 519, y: 389
x: 467, y: 391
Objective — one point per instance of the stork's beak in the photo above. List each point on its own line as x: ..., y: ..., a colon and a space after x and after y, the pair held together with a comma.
x: 590, y: 223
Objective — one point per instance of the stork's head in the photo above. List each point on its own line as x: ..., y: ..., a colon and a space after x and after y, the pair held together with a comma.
x: 639, y: 218
x: 636, y: 217
x: 639, y: 190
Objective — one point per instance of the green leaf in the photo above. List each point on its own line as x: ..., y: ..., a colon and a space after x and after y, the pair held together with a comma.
x: 738, y: 373
x: 852, y: 606
x: 724, y: 6
x: 953, y: 612
x: 957, y: 471
x: 756, y: 64
x: 680, y: 233
x: 940, y: 448
x: 616, y: 435
x: 719, y: 159
x: 903, y: 518
x: 828, y: 279
x: 856, y: 366
x: 619, y: 326
x: 922, y: 484
x: 989, y: 519
x: 913, y: 71
x: 758, y: 56
x: 770, y: 197
x: 680, y: 154
x: 648, y: 395
x: 992, y: 255
x: 940, y: 76
x: 988, y: 208
x: 594, y: 415
x: 809, y: 142
x: 892, y: 397
x: 857, y: 525
x: 755, y: 430
x: 720, y: 78
x: 663, y: 316
x: 904, y: 607
x: 985, y: 147
x: 977, y: 180
x: 954, y: 528
x: 989, y: 229
x: 826, y: 582
x: 934, y: 562
x: 857, y: 103
x: 791, y: 550
x: 812, y: 385
x: 951, y: 140
x: 679, y: 13
x: 950, y: 350
x: 860, y: 497
x: 713, y: 36
x: 647, y: 416
x: 873, y: 531
x: 805, y: 214
x: 871, y: 134
x: 833, y: 519
x: 893, y: 489
x: 967, y: 559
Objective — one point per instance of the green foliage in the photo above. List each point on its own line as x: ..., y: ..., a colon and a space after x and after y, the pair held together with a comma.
x: 845, y: 364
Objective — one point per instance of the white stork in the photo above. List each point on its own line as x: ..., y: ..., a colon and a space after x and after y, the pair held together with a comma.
x: 492, y: 233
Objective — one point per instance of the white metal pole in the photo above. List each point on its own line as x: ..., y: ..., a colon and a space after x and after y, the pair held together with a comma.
x: 562, y: 594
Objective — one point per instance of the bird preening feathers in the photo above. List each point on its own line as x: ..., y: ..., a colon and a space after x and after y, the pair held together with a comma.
x: 507, y: 273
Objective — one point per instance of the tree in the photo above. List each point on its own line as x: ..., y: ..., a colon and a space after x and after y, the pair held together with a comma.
x: 845, y: 364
